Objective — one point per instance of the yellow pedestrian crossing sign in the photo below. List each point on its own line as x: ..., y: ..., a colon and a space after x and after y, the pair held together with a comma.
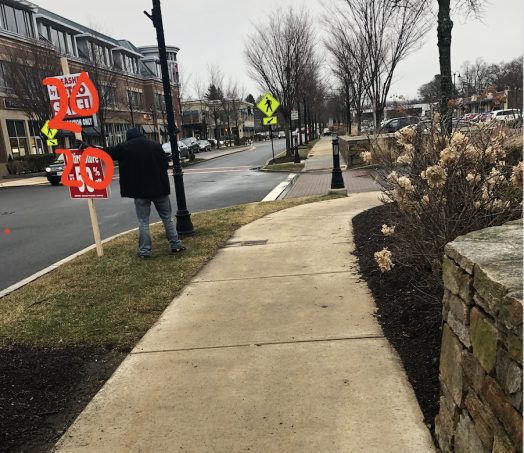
x: 268, y: 105
x: 48, y: 132
x: 52, y: 142
x: 270, y: 120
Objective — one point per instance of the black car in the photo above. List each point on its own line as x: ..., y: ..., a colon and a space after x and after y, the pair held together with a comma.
x: 54, y: 171
x: 395, y: 124
x: 204, y: 145
x: 192, y: 144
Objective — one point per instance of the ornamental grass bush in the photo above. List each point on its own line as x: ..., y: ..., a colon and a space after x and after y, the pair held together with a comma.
x: 30, y: 163
x: 441, y: 186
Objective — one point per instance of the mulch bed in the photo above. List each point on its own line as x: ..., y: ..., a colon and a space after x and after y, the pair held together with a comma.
x: 409, y: 307
x: 42, y: 391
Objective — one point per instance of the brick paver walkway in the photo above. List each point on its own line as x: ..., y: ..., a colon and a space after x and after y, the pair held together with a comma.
x: 309, y: 184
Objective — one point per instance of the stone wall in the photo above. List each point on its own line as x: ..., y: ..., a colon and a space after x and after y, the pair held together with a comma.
x: 481, y: 357
x: 353, y: 146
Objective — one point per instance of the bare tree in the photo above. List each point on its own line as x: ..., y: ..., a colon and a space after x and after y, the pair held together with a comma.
x: 214, y: 96
x: 382, y: 34
x: 129, y: 96
x: 25, y: 66
x: 285, y: 47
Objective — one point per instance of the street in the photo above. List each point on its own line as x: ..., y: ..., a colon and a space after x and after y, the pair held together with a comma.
x: 47, y: 226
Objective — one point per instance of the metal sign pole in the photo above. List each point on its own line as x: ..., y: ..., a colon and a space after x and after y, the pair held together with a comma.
x: 272, y: 148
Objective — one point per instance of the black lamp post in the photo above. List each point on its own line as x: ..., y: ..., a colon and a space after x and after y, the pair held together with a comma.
x: 183, y: 217
x: 297, y: 157
x: 337, y: 182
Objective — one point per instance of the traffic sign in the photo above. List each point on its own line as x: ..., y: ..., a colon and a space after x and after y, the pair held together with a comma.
x: 268, y: 105
x: 52, y: 142
x: 294, y: 115
x: 270, y: 120
x: 48, y: 132
x: 95, y: 169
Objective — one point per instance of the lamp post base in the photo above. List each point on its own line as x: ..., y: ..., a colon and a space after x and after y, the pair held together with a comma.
x: 337, y: 182
x: 183, y: 223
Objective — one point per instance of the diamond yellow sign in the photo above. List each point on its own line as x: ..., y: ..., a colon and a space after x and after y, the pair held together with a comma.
x: 268, y: 105
x: 48, y: 132
x: 270, y: 120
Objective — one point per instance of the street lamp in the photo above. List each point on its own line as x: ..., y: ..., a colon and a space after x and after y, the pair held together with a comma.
x: 454, y: 86
x: 297, y: 157
x: 337, y: 182
x: 183, y: 217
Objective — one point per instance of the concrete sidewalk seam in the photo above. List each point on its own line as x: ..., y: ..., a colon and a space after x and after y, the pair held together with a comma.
x: 266, y: 343
x: 273, y: 276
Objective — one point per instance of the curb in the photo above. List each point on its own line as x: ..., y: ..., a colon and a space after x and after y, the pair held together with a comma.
x: 279, y: 190
x: 48, y: 269
x: 224, y: 155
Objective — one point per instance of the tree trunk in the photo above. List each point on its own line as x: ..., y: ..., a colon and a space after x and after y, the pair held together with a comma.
x: 288, y: 139
x: 445, y: 26
x: 348, y: 109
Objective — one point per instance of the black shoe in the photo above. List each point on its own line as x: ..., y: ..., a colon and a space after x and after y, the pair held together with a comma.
x: 138, y: 255
x: 179, y: 249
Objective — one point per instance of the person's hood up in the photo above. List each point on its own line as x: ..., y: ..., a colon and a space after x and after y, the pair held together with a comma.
x: 133, y: 132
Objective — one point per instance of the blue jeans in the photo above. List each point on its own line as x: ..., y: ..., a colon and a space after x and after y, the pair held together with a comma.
x: 163, y: 207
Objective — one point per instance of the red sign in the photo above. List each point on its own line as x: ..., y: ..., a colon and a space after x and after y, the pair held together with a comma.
x: 84, y: 98
x: 96, y: 171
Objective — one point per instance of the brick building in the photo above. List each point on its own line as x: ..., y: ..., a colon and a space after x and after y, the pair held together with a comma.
x: 132, y: 75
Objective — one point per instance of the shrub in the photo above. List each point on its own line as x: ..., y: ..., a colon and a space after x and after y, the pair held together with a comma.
x: 30, y: 163
x: 213, y: 142
x: 441, y: 186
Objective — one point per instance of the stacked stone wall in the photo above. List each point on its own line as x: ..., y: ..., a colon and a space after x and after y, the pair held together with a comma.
x: 481, y: 356
x: 353, y: 146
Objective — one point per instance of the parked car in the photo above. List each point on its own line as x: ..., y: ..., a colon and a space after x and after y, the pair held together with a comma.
x: 204, y: 145
x: 192, y: 144
x: 327, y: 133
x: 504, y: 115
x: 484, y: 116
x: 395, y: 124
x: 458, y: 123
x: 281, y: 134
x: 183, y: 150
x: 55, y: 170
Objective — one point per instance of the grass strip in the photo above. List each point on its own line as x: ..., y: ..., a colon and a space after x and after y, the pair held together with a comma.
x: 303, y: 150
x: 111, y: 302
x: 289, y: 167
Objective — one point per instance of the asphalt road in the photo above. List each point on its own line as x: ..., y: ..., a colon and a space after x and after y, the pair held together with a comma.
x: 47, y: 226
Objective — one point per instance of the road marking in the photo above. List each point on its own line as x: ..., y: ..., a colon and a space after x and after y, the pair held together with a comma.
x: 220, y: 169
x: 275, y: 193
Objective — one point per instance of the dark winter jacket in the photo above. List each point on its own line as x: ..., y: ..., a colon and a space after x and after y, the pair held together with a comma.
x: 142, y: 165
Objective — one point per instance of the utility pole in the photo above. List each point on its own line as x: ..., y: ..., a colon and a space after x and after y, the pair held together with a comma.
x: 183, y: 217
x: 306, y: 141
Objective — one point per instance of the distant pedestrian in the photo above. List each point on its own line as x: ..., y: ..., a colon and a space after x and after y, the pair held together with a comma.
x: 143, y: 176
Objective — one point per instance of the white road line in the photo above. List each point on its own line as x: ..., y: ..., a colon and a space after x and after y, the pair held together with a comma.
x: 275, y: 193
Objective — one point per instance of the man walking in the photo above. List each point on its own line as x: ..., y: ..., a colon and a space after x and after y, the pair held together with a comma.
x: 143, y: 176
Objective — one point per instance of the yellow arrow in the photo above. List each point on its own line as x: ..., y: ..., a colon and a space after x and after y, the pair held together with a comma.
x: 270, y: 120
x: 52, y: 142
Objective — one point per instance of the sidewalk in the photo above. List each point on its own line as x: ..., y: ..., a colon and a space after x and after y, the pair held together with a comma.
x: 272, y: 347
x: 321, y: 156
x: 18, y: 182
x: 315, y: 179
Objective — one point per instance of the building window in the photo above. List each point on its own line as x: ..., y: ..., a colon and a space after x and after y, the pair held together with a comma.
x: 37, y: 145
x: 159, y: 101
x: 3, y: 85
x: 16, y: 20
x: 119, y: 132
x: 17, y: 137
x: 110, y: 135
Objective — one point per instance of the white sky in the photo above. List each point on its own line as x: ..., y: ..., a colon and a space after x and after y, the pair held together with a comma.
x: 213, y: 32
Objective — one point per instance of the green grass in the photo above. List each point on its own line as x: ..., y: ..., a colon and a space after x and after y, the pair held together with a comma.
x: 303, y: 150
x: 290, y: 167
x: 112, y: 301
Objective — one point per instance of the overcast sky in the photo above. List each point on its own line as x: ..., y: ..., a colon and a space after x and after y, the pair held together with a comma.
x: 214, y: 32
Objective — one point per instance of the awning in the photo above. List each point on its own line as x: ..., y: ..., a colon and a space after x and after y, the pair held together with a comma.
x: 249, y: 128
x: 149, y: 129
x: 91, y: 131
x: 64, y: 133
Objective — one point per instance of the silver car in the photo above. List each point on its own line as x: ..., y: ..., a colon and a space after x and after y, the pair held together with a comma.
x: 183, y: 150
